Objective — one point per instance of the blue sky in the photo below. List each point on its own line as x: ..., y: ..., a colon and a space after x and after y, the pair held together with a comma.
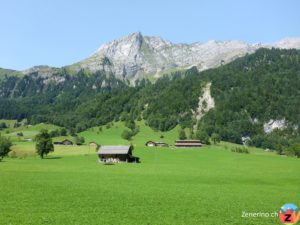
x: 62, y: 32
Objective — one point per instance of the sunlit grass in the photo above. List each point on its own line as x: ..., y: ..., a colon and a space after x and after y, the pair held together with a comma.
x: 208, y: 185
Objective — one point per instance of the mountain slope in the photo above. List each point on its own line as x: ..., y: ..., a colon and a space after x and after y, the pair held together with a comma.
x: 137, y: 56
x: 255, y: 97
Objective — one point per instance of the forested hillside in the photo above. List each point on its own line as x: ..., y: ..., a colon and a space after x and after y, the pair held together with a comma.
x: 249, y: 93
x: 253, y: 90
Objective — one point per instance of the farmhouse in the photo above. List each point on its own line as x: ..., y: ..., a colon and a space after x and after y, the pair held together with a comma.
x: 156, y: 144
x: 188, y: 143
x: 119, y: 153
x: 64, y: 142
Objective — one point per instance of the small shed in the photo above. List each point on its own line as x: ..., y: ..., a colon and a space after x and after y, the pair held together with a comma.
x: 161, y: 144
x: 67, y: 142
x: 64, y: 142
x: 150, y: 143
x: 118, y: 153
x: 156, y: 144
x: 188, y: 143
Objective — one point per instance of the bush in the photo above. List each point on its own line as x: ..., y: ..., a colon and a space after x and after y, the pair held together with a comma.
x: 203, y: 137
x: 127, y: 134
x: 20, y: 134
x: 72, y: 132
x: 16, y: 125
x: 130, y: 124
x: 63, y: 132
x: 182, y: 135
x: 215, y: 138
x: 293, y: 150
x: 240, y: 150
x: 135, y: 131
x: 3, y: 125
x: 55, y: 133
x: 79, y: 140
x: 5, y: 145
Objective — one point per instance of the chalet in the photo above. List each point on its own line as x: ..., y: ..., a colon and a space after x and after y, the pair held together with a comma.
x: 156, y: 144
x: 118, y: 153
x: 64, y: 142
x: 188, y: 143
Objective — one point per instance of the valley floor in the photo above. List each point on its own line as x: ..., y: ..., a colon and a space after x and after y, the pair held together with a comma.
x: 210, y: 185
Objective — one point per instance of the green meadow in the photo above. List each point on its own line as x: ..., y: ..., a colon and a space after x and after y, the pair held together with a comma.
x: 210, y: 185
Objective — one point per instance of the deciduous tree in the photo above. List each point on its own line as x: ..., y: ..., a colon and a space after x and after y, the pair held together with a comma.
x: 44, y: 143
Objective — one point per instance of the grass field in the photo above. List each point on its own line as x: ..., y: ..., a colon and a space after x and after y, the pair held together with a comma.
x: 210, y: 185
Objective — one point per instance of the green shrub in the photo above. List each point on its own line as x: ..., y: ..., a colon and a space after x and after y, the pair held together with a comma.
x: 182, y: 135
x: 240, y: 150
x: 293, y: 150
x: 127, y: 134
x: 5, y: 145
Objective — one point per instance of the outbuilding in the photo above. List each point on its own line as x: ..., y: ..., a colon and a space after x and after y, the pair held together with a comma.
x: 64, y: 142
x: 156, y: 144
x: 117, y: 153
x: 188, y: 143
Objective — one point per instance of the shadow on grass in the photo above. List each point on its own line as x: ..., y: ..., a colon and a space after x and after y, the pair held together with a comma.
x: 54, y: 157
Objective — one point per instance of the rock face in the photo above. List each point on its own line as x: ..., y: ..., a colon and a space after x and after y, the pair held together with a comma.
x: 206, y: 102
x: 137, y: 56
x: 274, y: 124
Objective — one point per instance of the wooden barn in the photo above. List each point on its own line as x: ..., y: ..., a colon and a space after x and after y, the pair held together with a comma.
x: 64, y: 142
x: 156, y: 144
x: 188, y: 143
x: 119, y: 153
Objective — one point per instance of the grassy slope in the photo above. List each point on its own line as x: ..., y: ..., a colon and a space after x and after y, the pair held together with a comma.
x: 9, y: 72
x: 182, y: 186
x: 28, y: 131
x: 113, y: 135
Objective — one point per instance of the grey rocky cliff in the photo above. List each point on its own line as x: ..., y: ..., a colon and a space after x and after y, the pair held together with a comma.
x: 137, y: 56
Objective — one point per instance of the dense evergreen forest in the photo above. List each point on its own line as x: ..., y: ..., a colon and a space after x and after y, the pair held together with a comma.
x: 248, y: 93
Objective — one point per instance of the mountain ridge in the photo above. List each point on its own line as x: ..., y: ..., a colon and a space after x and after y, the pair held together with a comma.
x: 136, y: 56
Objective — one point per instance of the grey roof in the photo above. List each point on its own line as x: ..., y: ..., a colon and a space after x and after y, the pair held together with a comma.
x: 119, y: 149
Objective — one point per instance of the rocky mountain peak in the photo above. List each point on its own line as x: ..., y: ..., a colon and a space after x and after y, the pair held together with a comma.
x: 133, y: 40
x: 136, y: 56
x: 288, y: 43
